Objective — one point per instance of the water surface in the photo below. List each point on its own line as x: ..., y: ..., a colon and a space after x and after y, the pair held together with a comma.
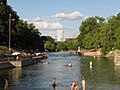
x: 103, y: 75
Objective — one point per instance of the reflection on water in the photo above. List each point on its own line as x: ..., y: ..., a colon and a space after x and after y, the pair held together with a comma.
x: 7, y: 76
x: 117, y: 73
x: 15, y: 73
x: 100, y: 75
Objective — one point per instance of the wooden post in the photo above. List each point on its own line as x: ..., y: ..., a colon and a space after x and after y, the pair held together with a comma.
x: 9, y: 47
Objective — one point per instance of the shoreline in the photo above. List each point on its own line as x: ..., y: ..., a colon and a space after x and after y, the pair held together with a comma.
x: 98, y: 53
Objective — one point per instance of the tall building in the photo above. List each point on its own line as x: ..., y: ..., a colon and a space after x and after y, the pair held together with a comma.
x: 60, y: 35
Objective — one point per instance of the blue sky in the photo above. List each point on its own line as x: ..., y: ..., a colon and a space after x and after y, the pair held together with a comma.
x: 62, y: 14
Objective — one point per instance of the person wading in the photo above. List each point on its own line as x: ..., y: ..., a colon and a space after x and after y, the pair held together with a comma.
x: 75, y: 85
x: 6, y: 85
x: 54, y: 83
x: 83, y: 84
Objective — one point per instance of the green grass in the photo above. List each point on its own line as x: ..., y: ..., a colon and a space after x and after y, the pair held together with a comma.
x: 4, y: 50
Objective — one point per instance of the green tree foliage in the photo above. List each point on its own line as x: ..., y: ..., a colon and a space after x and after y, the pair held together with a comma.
x: 49, y: 46
x: 96, y: 32
x: 5, y: 10
x: 26, y: 36
x: 117, y: 35
x: 23, y: 35
x: 49, y: 43
x: 89, y: 33
x: 61, y: 46
x: 71, y: 44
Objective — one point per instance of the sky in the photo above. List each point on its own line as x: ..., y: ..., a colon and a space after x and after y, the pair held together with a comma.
x: 52, y: 15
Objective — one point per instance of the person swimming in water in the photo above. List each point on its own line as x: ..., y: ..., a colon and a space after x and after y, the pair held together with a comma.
x: 75, y: 85
x: 54, y: 82
x: 69, y: 64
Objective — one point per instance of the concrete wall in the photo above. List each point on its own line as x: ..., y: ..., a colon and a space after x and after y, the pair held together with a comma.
x: 20, y: 63
x: 28, y: 62
x: 4, y: 65
x: 16, y: 63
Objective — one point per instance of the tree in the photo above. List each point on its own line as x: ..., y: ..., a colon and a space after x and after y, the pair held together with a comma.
x: 49, y: 46
x: 89, y: 33
x: 61, y: 46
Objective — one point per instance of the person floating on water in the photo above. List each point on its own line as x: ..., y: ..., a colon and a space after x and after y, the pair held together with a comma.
x: 69, y: 64
x: 54, y: 82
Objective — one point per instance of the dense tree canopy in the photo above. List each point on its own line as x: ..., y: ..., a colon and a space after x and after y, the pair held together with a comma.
x: 23, y: 35
x: 96, y: 33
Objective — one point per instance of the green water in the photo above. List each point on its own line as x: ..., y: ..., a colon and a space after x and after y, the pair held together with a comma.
x: 102, y: 75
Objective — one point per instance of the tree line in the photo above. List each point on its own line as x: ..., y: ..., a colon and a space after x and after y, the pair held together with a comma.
x: 100, y: 33
x: 24, y: 36
x: 96, y: 33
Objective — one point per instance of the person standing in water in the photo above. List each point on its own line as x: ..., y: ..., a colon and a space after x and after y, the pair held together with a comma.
x: 54, y: 83
x: 6, y: 85
x: 83, y: 84
x: 74, y: 86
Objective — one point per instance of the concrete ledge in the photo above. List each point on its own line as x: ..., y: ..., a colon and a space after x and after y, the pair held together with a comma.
x: 16, y: 63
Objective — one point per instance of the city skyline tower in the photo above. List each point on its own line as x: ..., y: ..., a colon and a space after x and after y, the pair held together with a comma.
x: 60, y: 35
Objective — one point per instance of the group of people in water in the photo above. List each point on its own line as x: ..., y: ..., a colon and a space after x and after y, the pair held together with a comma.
x: 74, y: 85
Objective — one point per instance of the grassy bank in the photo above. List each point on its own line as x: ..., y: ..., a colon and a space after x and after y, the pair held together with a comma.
x: 5, y: 50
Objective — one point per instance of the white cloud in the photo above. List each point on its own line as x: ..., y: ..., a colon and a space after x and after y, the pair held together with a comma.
x: 47, y: 25
x: 37, y: 19
x: 69, y: 16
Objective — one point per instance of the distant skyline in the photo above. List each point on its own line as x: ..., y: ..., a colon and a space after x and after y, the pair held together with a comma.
x: 51, y: 15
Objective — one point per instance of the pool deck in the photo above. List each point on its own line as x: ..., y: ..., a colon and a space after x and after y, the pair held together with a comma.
x: 11, y: 62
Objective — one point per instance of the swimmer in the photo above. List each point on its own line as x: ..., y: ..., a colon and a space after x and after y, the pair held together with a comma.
x: 69, y: 64
x: 83, y: 84
x: 75, y: 85
x: 54, y: 82
x: 6, y: 84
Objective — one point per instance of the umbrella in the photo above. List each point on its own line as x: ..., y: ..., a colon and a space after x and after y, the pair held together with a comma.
x: 15, y: 53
